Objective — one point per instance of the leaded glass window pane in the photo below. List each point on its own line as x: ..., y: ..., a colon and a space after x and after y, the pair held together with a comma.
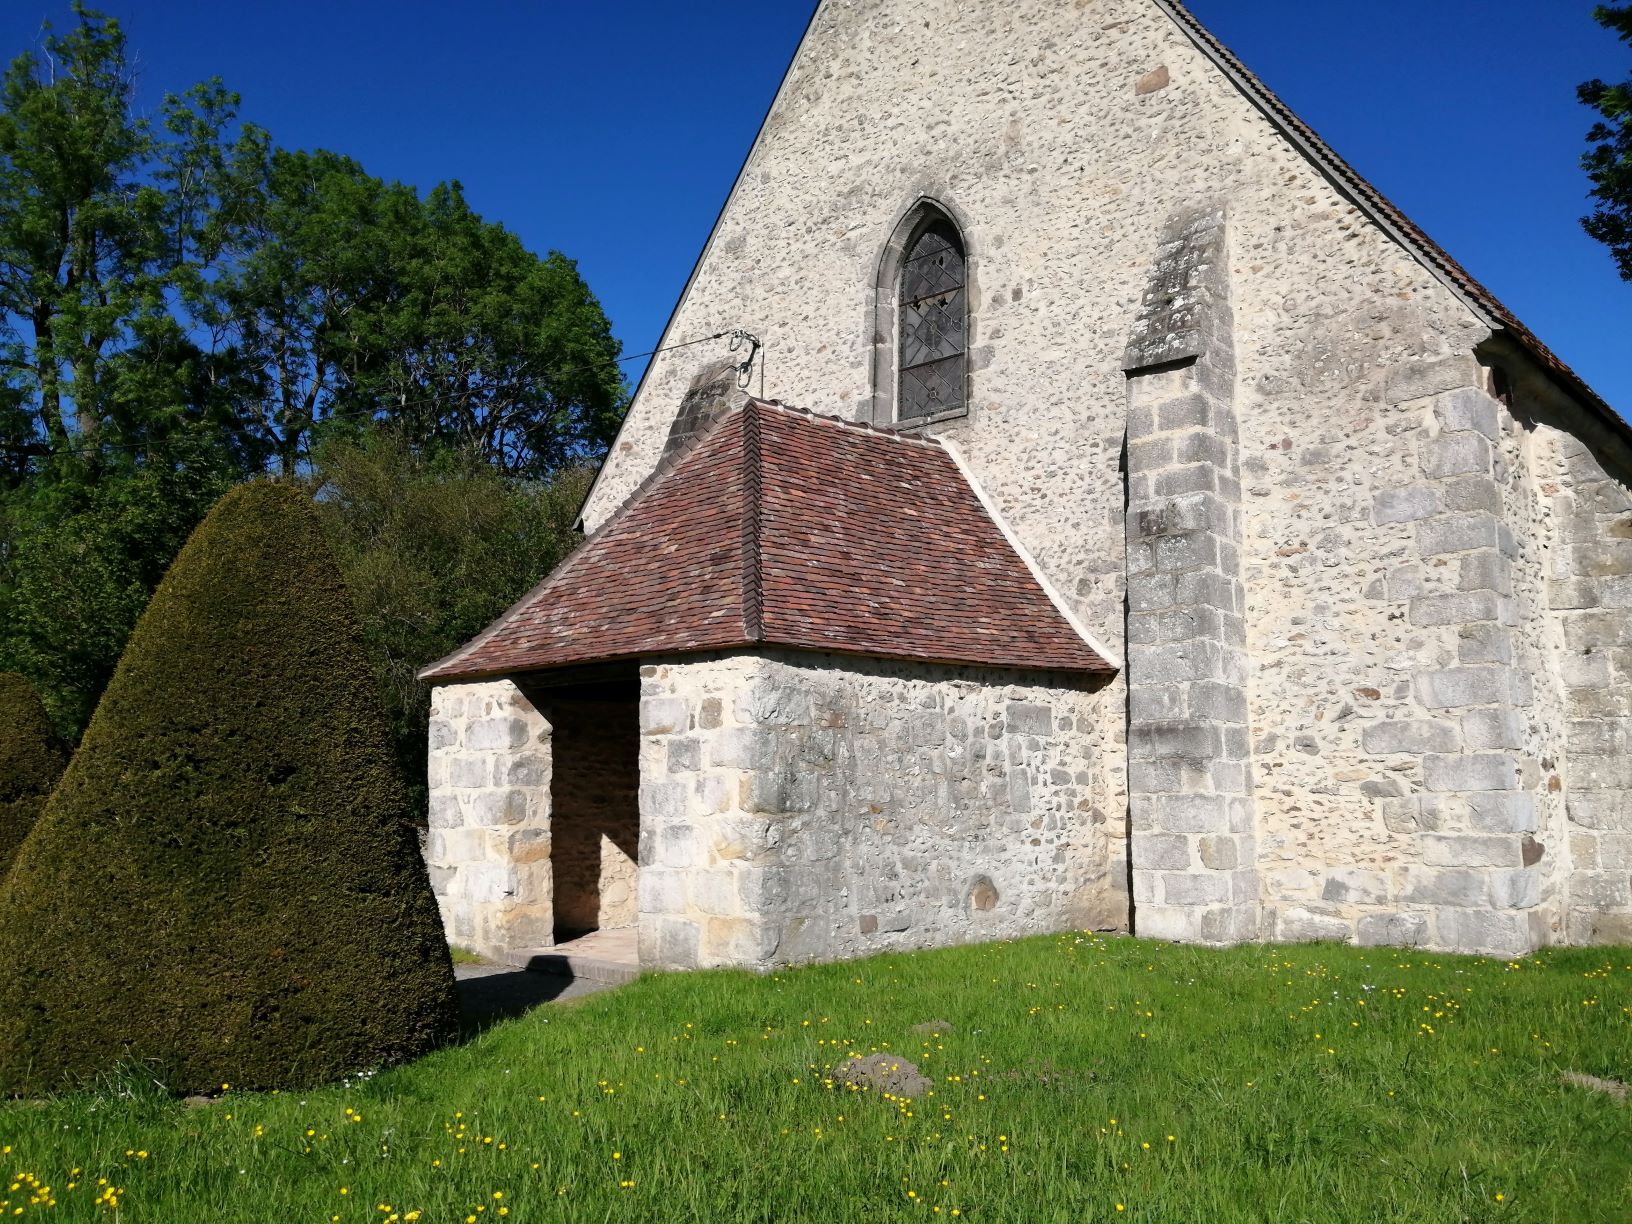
x: 933, y: 318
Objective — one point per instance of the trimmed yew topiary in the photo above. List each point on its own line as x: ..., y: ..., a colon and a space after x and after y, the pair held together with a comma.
x: 225, y: 886
x: 30, y: 762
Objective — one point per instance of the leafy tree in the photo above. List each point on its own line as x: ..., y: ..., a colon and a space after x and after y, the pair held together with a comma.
x: 236, y: 809
x: 434, y: 544
x: 356, y: 300
x: 1609, y: 161
x: 116, y: 429
x: 168, y: 276
x: 70, y: 219
x: 489, y: 348
x: 80, y: 563
x: 96, y: 228
x: 183, y: 305
x: 30, y: 762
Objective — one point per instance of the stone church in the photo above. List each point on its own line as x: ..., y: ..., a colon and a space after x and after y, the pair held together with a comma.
x: 1131, y: 522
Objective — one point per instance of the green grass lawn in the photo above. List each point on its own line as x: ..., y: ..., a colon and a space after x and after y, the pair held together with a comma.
x: 1083, y: 1079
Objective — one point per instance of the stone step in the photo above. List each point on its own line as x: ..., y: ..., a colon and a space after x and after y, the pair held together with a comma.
x: 579, y: 965
x: 610, y: 956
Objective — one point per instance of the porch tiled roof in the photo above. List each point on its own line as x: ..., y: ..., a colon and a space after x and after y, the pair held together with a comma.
x: 786, y: 529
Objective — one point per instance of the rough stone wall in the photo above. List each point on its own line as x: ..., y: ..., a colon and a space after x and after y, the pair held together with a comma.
x: 488, y: 846
x: 1537, y: 727
x: 1190, y: 776
x: 595, y: 813
x: 1588, y: 496
x: 804, y: 807
x: 1398, y: 800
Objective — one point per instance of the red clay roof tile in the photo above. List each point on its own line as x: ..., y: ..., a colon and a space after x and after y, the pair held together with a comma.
x: 782, y: 528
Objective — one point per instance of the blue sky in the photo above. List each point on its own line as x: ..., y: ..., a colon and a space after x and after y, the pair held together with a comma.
x: 612, y: 130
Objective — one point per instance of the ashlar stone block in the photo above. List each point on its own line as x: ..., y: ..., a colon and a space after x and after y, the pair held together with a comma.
x: 1177, y: 923
x: 1161, y: 851
x: 1455, y: 687
x: 1407, y: 505
x: 1497, y: 812
x: 1458, y: 608
x: 1601, y: 890
x: 496, y: 734
x: 1495, y: 727
x: 1485, y: 643
x: 1191, y: 813
x: 1454, y: 454
x: 1468, y: 408
x: 1487, y: 932
x: 1355, y: 886
x: 1474, y: 771
x: 1187, y: 738
x: 1410, y: 735
x: 1297, y: 924
x: 1221, y: 853
x: 500, y: 807
x: 1445, y: 886
x: 1028, y: 718
x: 1392, y: 930
x: 1457, y: 533
x: 663, y: 715
x: 1469, y: 850
x: 1195, y: 888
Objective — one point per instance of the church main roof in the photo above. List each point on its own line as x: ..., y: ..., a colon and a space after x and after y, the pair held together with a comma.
x: 1386, y: 213
x: 781, y: 528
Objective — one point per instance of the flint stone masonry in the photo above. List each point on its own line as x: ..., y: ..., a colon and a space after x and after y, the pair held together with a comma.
x: 838, y: 807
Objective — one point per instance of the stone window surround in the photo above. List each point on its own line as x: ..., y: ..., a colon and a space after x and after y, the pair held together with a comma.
x: 925, y: 208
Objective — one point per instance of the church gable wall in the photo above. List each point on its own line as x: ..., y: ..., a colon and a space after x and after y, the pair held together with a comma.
x: 1040, y: 127
x: 1047, y: 133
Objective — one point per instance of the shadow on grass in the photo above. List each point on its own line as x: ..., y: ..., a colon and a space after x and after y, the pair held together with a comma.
x: 489, y: 998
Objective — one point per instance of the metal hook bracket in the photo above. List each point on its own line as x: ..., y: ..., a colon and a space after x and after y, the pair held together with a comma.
x: 745, y: 367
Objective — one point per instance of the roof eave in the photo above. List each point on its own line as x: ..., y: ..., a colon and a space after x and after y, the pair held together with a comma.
x: 1101, y: 669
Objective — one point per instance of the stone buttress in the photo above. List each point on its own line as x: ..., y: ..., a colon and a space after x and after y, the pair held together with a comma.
x: 1192, y: 848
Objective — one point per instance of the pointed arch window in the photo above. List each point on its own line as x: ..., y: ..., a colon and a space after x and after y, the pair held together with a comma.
x: 933, y: 323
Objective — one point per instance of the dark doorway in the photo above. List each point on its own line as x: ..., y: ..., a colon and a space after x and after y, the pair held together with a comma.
x: 595, y: 808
